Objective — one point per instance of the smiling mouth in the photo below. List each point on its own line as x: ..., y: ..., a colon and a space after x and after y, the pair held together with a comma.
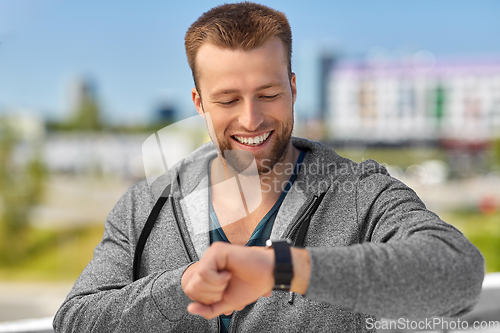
x: 252, y: 141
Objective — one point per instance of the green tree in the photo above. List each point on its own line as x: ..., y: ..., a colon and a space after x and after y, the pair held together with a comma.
x: 496, y: 150
x: 21, y: 187
x: 87, y: 115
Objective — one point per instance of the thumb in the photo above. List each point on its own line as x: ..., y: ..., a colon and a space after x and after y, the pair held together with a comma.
x: 224, y: 275
x: 208, y: 311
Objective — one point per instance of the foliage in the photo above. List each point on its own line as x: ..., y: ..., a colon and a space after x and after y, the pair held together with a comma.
x: 86, y: 114
x: 402, y: 157
x: 21, y: 187
x: 496, y: 150
x: 55, y: 254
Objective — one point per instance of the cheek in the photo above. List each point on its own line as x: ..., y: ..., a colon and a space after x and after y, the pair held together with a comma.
x: 283, y: 111
x: 220, y: 122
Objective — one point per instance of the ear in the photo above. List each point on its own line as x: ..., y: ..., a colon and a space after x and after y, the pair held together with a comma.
x: 197, y: 101
x: 293, y: 85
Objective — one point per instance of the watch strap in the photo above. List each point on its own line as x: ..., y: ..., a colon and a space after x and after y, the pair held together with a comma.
x: 283, y: 267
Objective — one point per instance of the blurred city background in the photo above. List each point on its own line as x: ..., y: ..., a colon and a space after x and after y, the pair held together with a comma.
x: 413, y: 85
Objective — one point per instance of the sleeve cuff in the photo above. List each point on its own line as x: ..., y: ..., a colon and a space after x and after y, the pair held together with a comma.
x: 168, y: 295
x: 335, y: 276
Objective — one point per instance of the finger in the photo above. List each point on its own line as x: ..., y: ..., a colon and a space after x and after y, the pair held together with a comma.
x: 209, y: 311
x: 216, y: 279
x: 225, y: 275
x: 267, y: 294
x: 202, y: 310
x: 200, y: 291
x: 199, y: 285
x: 209, y: 298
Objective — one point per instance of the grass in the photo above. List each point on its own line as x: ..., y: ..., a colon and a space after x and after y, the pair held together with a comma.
x: 56, y: 255
x: 402, y: 157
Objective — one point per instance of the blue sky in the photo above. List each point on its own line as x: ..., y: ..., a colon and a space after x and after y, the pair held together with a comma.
x: 135, y: 54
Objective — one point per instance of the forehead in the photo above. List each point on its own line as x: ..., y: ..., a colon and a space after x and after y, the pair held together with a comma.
x: 236, y: 68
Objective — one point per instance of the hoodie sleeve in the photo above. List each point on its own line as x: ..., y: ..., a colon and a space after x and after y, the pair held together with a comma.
x: 106, y: 299
x: 409, y: 263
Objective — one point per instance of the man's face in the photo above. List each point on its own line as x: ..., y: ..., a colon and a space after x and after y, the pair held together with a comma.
x: 250, y: 98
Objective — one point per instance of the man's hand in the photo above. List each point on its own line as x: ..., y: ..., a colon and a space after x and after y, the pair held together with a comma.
x: 203, y: 282
x: 248, y: 275
x: 229, y: 277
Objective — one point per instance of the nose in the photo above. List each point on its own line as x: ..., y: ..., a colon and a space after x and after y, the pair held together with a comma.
x: 250, y: 117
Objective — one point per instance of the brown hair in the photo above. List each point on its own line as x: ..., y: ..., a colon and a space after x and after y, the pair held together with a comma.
x: 244, y: 25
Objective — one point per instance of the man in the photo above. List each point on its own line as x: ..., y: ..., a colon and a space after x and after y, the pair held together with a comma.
x: 367, y: 246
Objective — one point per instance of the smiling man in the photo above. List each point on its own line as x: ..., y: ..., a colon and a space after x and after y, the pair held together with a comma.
x: 349, y: 244
x: 249, y: 95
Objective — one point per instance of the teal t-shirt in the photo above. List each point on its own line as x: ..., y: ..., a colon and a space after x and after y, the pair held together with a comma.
x: 262, y: 231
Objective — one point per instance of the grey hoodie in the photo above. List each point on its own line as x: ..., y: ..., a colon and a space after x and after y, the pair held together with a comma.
x: 375, y: 250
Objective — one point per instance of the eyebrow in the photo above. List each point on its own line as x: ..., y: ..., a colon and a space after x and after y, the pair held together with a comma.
x: 233, y: 91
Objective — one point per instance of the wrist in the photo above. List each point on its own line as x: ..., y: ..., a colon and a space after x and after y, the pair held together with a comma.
x: 301, y: 270
x: 186, y: 275
x: 269, y: 274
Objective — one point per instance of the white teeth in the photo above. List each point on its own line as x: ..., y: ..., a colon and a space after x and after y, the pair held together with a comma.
x: 255, y: 141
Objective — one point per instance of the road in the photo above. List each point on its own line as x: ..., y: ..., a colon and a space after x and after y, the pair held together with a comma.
x: 20, y: 300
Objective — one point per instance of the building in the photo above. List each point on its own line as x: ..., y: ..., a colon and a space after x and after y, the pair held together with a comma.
x: 402, y: 100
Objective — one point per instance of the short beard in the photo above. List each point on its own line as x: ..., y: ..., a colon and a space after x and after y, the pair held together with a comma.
x: 242, y: 160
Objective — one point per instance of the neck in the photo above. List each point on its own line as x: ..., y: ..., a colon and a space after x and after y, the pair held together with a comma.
x: 247, y: 198
x: 272, y: 183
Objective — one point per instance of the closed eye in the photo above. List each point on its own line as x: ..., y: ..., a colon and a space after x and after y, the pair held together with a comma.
x: 270, y: 97
x: 227, y: 103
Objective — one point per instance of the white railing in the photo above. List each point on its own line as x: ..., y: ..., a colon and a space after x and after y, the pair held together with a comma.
x: 39, y: 325
x: 488, y: 304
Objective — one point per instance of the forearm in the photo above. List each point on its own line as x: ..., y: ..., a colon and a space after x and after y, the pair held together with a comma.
x: 405, y: 261
x: 157, y: 298
x: 416, y: 278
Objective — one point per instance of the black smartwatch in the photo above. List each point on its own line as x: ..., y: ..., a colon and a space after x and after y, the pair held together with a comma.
x: 283, y: 267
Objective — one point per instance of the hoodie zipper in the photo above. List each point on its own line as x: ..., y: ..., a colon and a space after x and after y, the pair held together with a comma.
x: 307, y: 213
x: 311, y: 208
x: 302, y: 217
